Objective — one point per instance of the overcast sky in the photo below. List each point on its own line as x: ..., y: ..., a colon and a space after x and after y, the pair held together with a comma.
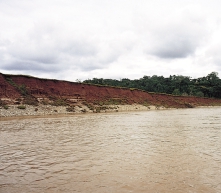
x: 83, y: 39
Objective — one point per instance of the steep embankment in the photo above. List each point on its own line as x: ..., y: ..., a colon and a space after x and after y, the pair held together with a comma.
x: 20, y: 90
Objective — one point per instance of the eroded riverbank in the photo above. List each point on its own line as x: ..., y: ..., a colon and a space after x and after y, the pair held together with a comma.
x: 46, y: 110
x: 41, y: 110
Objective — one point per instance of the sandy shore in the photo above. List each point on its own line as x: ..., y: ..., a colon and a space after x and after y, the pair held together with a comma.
x: 42, y: 110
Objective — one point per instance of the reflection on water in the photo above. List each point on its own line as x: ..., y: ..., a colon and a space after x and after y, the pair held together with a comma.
x: 156, y: 151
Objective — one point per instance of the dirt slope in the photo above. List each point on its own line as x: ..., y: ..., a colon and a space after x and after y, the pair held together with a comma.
x: 15, y: 89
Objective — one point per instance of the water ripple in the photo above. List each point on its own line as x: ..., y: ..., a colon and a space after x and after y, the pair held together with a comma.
x: 155, y: 151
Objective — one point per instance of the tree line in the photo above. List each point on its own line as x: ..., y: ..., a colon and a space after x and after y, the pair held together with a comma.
x: 208, y: 86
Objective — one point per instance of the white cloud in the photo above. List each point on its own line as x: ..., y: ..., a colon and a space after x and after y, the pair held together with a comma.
x: 111, y: 39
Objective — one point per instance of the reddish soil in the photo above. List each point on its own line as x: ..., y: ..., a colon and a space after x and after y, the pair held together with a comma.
x: 45, y: 88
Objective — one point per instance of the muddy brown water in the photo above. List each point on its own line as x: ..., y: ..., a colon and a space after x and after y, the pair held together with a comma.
x: 167, y: 151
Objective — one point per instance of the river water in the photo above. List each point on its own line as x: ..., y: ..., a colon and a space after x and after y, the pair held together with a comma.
x: 167, y: 151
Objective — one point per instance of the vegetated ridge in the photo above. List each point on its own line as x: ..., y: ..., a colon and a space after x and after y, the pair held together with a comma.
x: 208, y: 86
x: 21, y: 90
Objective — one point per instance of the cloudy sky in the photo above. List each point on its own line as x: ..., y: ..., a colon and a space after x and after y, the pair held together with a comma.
x: 81, y: 39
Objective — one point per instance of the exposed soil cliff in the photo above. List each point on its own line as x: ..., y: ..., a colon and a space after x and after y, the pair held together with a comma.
x: 20, y: 89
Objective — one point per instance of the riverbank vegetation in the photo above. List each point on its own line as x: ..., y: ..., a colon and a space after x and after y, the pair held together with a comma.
x: 208, y: 86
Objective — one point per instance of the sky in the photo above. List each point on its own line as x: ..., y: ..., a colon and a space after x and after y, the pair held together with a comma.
x: 84, y: 39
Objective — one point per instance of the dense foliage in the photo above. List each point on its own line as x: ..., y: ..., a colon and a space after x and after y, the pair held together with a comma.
x: 209, y: 86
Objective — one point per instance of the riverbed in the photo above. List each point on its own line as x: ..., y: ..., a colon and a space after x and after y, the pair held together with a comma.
x: 148, y: 151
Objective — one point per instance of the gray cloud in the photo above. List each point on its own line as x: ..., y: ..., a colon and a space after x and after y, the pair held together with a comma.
x: 44, y: 49
x: 80, y: 48
x: 108, y: 39
x: 31, y: 66
x: 46, y: 45
x: 179, y: 37
x: 213, y: 54
x: 175, y: 48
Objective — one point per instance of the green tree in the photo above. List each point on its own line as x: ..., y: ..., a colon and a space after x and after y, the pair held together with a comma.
x: 176, y: 92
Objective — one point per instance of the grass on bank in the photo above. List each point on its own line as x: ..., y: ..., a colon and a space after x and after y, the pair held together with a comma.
x: 21, y: 107
x: 3, y: 104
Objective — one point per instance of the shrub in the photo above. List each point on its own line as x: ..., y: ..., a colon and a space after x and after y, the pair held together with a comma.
x: 23, y: 90
x: 70, y: 109
x: 199, y: 94
x: 44, y: 102
x: 3, y: 104
x: 188, y: 105
x: 30, y: 101
x: 11, y: 82
x: 176, y: 92
x: 97, y: 110
x: 83, y: 111
x: 59, y: 102
x: 5, y: 107
x: 90, y: 106
x: 21, y: 107
x: 145, y: 104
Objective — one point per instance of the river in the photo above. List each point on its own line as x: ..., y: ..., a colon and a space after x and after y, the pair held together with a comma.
x: 167, y: 151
